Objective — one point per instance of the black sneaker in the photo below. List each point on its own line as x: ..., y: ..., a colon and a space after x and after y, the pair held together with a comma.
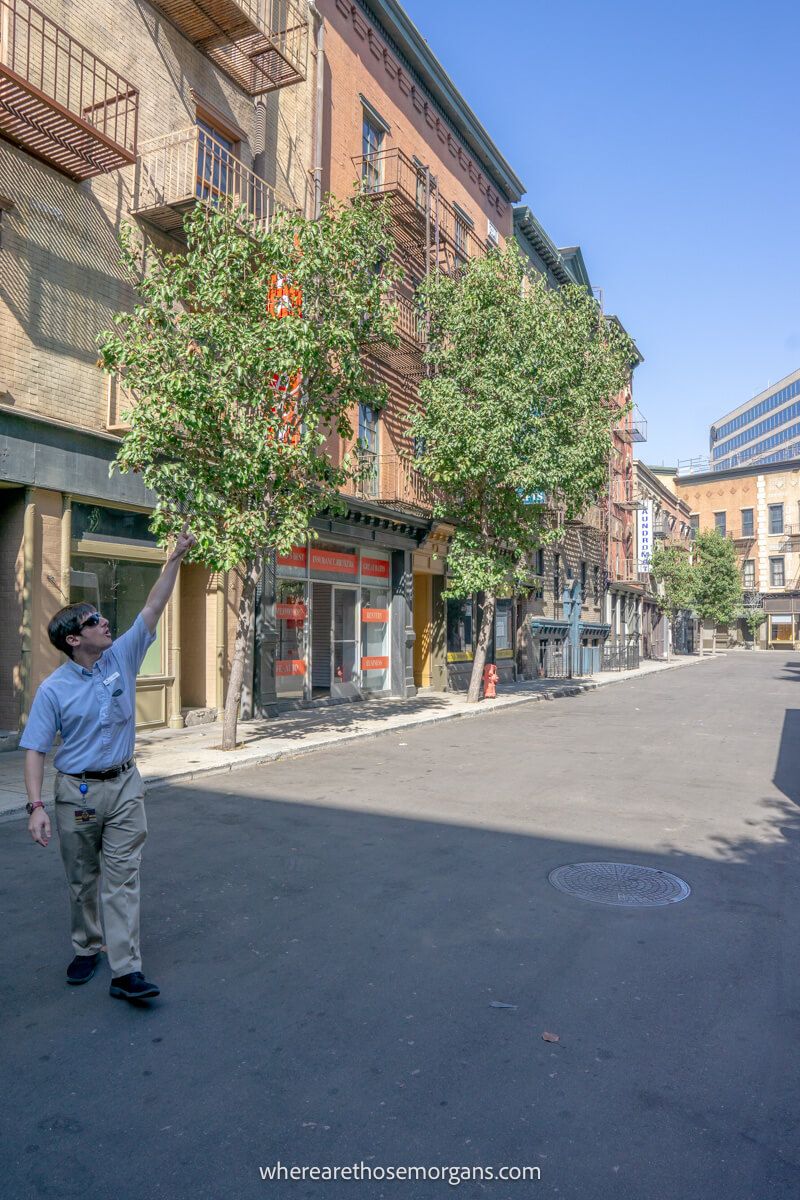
x: 82, y: 968
x: 133, y: 987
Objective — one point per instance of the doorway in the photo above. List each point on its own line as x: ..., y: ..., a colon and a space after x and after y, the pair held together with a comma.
x: 344, y: 645
x: 423, y: 630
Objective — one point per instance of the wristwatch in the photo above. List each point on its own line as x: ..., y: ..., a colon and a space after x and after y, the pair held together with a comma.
x: 31, y: 808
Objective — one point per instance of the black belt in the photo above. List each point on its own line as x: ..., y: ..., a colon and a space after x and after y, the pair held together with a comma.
x: 111, y: 773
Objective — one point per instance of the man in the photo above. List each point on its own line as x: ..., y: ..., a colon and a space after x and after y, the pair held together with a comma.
x: 91, y: 701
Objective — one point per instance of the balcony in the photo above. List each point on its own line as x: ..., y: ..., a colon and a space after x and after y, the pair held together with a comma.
x: 393, y: 480
x: 622, y: 492
x: 410, y: 330
x: 58, y: 101
x: 743, y: 536
x: 627, y: 570
x: 421, y: 217
x: 633, y: 429
x: 258, y: 53
x: 592, y: 517
x: 182, y: 169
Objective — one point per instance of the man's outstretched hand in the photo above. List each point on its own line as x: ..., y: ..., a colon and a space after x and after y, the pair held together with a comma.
x: 184, y: 543
x: 39, y: 826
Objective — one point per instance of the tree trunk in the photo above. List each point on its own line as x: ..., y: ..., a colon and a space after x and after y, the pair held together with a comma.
x: 479, y: 661
x: 244, y: 625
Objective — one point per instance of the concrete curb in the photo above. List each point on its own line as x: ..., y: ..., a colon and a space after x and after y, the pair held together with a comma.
x: 155, y: 783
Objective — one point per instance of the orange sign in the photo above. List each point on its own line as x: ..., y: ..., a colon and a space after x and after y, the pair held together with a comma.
x: 330, y: 560
x: 295, y: 558
x: 374, y: 616
x: 377, y: 568
x: 290, y: 666
x: 290, y: 612
x: 377, y: 663
x: 284, y: 298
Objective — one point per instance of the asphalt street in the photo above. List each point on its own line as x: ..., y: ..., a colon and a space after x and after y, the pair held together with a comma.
x: 330, y: 935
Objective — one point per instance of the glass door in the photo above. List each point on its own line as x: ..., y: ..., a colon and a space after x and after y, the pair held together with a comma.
x: 345, y: 675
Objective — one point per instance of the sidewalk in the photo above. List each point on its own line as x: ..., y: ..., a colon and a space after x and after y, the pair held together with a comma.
x: 167, y: 756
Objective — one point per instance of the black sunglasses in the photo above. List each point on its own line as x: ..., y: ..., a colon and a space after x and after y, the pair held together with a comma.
x: 92, y: 620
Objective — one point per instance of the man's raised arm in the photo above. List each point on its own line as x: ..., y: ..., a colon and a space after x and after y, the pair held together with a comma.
x: 162, y: 588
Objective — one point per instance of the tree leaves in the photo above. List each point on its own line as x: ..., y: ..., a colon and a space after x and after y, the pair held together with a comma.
x: 233, y: 398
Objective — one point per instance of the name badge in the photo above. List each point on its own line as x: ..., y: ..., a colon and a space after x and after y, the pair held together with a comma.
x: 108, y: 682
x: 82, y: 815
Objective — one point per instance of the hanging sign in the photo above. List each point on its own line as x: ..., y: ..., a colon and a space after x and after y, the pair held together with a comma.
x: 290, y: 666
x: 376, y: 663
x: 296, y: 557
x: 375, y: 568
x: 374, y: 616
x: 644, y: 520
x: 332, y: 560
x: 290, y: 611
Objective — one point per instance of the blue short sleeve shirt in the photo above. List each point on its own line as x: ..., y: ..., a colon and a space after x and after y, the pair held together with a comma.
x: 94, y: 711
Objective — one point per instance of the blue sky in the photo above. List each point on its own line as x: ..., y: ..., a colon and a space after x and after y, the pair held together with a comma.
x: 662, y: 139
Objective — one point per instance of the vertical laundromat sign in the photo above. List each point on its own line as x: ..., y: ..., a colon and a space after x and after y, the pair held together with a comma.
x: 645, y: 521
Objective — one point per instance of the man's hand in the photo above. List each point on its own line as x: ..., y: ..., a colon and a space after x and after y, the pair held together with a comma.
x: 184, y: 543
x: 39, y: 826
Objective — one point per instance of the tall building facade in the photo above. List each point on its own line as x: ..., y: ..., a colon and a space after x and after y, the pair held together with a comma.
x: 117, y: 111
x: 765, y: 429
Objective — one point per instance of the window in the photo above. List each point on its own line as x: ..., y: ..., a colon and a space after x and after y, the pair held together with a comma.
x: 368, y: 440
x: 720, y: 522
x: 694, y: 525
x: 375, y: 639
x: 749, y: 575
x: 215, y: 167
x: 780, y: 628
x: 776, y: 518
x: 118, y: 588
x: 422, y: 182
x: 459, y: 629
x: 371, y: 146
x: 462, y: 229
x: 583, y: 582
x: 540, y: 561
x: 596, y: 585
x: 557, y: 577
x: 747, y: 522
x: 503, y: 641
x: 776, y: 573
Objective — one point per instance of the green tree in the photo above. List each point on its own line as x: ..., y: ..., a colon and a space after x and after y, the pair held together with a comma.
x: 716, y: 584
x: 671, y: 567
x: 753, y: 614
x: 517, y: 406
x: 243, y: 356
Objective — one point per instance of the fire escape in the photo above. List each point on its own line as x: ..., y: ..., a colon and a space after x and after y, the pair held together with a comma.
x: 262, y: 46
x: 58, y: 100
x: 429, y: 234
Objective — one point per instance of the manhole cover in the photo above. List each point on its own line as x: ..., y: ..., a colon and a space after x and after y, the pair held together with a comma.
x: 619, y: 883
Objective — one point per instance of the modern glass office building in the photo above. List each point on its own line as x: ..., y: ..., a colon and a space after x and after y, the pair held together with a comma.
x: 765, y: 429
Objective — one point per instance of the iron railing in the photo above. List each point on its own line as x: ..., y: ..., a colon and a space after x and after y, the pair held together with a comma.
x: 180, y: 169
x: 420, y: 203
x: 393, y: 479
x: 59, y: 101
x: 621, y: 654
x: 261, y: 44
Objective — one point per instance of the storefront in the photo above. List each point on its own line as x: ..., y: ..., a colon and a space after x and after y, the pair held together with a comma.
x: 463, y: 626
x: 335, y: 619
x: 783, y: 621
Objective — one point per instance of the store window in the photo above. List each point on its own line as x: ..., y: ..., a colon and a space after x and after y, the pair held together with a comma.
x: 459, y: 630
x: 118, y: 588
x: 776, y: 518
x: 375, y: 639
x: 291, y: 613
x: 503, y: 630
x: 749, y: 574
x: 98, y: 522
x: 777, y: 575
x: 780, y: 628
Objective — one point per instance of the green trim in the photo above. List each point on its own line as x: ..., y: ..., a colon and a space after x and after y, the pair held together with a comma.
x: 404, y: 37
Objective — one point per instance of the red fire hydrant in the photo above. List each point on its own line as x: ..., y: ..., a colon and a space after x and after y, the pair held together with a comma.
x: 490, y: 678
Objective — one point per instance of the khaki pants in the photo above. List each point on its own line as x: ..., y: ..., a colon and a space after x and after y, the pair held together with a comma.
x: 108, y: 844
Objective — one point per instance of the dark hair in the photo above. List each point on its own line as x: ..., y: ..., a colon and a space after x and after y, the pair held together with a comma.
x: 68, y: 621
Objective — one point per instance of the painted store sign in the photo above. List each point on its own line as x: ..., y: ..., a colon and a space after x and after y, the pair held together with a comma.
x: 375, y: 568
x: 290, y: 612
x: 290, y: 666
x: 375, y: 616
x: 377, y: 662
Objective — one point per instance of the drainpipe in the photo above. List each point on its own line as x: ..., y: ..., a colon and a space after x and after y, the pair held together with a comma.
x: 320, y: 109
x: 28, y: 562
x: 66, y: 547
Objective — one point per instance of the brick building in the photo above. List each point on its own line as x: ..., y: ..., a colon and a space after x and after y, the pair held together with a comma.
x: 112, y: 111
x: 662, y: 518
x: 370, y: 590
x: 758, y: 507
